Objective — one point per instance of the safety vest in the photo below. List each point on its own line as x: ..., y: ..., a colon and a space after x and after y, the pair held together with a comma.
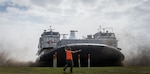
x: 68, y: 55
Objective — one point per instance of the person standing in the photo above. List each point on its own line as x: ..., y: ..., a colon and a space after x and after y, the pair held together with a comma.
x: 69, y: 58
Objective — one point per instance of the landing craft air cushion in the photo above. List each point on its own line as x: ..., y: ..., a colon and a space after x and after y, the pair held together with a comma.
x: 102, y: 47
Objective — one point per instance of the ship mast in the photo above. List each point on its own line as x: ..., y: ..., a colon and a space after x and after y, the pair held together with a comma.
x: 51, y: 29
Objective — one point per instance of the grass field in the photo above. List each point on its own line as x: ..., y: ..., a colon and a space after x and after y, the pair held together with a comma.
x: 76, y: 70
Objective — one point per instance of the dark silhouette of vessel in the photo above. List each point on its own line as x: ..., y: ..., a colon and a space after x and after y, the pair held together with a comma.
x: 102, y: 47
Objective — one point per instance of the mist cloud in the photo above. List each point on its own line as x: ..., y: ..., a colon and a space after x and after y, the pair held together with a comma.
x: 7, y: 60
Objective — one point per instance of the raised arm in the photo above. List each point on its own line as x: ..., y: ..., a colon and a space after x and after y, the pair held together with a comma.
x: 76, y: 51
x: 65, y: 49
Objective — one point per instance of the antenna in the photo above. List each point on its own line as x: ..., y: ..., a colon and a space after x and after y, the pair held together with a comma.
x: 51, y: 29
x: 100, y: 29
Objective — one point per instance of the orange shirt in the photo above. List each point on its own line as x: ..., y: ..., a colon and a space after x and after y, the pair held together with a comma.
x: 68, y: 55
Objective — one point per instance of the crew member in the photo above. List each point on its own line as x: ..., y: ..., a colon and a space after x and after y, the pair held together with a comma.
x: 69, y: 58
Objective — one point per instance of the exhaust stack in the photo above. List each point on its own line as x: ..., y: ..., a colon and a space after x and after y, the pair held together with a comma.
x: 72, y: 34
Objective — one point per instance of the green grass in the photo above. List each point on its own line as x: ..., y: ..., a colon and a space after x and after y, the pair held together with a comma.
x: 76, y: 70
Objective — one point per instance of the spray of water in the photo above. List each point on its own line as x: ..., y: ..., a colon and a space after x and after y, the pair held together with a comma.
x: 141, y: 58
x: 6, y: 60
x: 136, y: 49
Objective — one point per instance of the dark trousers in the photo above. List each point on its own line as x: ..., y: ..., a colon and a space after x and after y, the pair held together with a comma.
x: 69, y: 63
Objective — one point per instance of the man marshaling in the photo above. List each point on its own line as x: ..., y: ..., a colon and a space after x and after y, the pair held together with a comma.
x: 69, y: 58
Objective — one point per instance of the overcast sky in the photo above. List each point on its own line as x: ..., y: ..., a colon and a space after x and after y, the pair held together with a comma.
x: 23, y: 21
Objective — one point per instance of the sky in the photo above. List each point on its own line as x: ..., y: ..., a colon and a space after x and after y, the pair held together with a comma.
x: 23, y: 21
